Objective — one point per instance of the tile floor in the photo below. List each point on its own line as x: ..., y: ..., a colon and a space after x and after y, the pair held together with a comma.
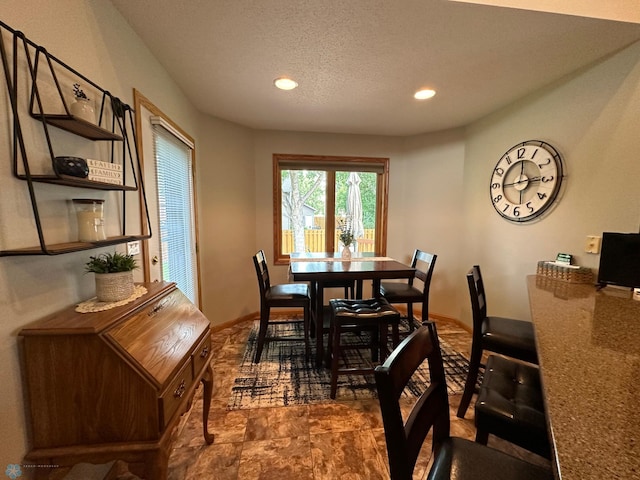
x: 334, y: 440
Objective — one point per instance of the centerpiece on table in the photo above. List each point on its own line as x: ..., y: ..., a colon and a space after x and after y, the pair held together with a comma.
x: 346, y: 237
x: 114, y: 275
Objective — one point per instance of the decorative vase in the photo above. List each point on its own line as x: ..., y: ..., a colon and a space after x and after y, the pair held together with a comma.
x: 82, y: 108
x: 346, y: 252
x: 114, y: 287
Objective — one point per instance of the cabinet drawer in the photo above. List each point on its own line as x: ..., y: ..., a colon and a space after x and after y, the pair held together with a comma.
x: 175, y: 393
x: 202, y: 354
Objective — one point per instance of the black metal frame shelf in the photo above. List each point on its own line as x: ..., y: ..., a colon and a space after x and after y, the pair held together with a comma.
x: 112, y: 110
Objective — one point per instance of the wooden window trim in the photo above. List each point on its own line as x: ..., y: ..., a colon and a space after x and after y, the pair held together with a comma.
x: 284, y: 161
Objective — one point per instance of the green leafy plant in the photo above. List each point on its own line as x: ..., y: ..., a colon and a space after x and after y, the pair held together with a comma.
x: 111, y: 263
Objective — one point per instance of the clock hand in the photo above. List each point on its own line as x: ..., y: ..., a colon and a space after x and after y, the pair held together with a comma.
x: 533, y: 179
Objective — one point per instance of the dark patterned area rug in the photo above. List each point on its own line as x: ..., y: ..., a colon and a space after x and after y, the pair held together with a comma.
x: 284, y: 377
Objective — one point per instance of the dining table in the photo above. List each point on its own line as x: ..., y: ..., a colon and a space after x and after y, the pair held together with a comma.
x: 588, y: 342
x: 324, y: 268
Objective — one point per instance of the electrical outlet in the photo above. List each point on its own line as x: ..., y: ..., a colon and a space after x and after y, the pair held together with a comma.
x: 133, y: 248
x: 592, y: 244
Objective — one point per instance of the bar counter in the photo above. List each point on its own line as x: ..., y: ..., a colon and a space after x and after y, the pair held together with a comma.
x: 589, y: 351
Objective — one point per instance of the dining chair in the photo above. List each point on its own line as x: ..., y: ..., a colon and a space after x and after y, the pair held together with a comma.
x: 453, y: 457
x: 411, y: 292
x: 506, y: 336
x: 285, y: 295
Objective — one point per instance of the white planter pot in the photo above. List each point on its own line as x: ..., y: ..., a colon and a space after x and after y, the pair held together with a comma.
x: 114, y: 287
x: 82, y: 108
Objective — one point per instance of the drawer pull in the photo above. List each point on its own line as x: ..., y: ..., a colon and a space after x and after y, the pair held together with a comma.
x: 205, y: 352
x: 180, y: 390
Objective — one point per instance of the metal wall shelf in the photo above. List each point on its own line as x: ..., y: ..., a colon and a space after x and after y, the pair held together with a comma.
x: 121, y: 131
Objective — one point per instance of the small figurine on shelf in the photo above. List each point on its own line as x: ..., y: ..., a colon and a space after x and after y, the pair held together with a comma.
x: 82, y: 107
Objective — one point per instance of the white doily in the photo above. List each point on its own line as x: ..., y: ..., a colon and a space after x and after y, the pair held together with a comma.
x: 93, y: 305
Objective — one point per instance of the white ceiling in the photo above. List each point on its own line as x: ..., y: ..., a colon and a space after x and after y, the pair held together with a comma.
x: 358, y: 62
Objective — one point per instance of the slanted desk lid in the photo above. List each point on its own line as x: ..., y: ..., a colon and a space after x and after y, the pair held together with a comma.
x: 159, y: 338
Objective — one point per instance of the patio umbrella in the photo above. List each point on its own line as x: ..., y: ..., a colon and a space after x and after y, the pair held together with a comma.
x: 354, y: 205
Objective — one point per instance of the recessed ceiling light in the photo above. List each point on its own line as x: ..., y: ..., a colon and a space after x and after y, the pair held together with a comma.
x: 424, y: 94
x: 284, y: 83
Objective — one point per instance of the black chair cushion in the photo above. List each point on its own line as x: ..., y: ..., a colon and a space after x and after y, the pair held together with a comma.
x: 510, y: 404
x: 368, y: 309
x: 397, y: 292
x: 461, y: 459
x: 514, y: 338
x: 288, y: 292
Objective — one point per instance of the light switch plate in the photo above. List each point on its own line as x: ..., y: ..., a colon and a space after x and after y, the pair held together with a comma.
x: 133, y: 248
x: 592, y: 244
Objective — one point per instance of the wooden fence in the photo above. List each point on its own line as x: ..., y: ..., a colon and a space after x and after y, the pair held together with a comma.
x: 314, y: 240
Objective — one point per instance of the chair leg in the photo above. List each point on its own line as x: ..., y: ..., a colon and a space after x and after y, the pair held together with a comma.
x: 334, y: 341
x: 472, y: 377
x: 307, y: 331
x: 410, y: 316
x: 262, y: 333
x: 482, y: 437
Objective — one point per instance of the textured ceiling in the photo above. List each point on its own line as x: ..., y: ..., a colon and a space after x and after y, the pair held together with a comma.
x: 358, y: 62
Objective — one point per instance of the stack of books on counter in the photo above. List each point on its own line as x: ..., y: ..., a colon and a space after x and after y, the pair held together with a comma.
x: 105, y: 172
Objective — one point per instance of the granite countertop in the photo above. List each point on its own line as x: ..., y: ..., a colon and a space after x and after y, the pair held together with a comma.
x: 589, y: 350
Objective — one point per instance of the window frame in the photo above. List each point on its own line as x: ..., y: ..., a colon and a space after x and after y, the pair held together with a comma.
x: 330, y: 164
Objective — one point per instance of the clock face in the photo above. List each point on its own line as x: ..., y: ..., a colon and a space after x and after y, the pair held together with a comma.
x: 526, y: 180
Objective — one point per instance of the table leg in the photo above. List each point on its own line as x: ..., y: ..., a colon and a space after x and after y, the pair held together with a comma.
x: 319, y: 323
x: 375, y: 288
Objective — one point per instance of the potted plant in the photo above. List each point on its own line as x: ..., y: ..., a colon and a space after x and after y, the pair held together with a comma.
x: 82, y: 107
x: 114, y: 275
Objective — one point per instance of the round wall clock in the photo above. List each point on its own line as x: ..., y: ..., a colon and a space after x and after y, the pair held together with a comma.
x: 526, y: 181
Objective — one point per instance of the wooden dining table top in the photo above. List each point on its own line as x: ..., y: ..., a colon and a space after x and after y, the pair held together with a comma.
x: 318, y: 266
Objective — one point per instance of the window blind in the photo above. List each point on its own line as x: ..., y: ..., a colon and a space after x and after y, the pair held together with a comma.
x: 175, y: 210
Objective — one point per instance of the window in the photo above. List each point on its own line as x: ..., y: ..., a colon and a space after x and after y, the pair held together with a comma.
x: 174, y: 185
x: 315, y: 196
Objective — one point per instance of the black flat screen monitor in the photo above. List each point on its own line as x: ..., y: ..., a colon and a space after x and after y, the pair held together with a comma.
x: 620, y: 260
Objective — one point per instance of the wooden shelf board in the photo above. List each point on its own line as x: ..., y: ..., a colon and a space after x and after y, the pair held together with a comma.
x: 78, y: 126
x: 68, y: 247
x: 76, y: 182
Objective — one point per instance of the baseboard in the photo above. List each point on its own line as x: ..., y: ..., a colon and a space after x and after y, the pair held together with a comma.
x: 403, y: 309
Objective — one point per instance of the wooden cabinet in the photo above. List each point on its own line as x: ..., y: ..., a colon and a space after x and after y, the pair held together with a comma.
x: 113, y: 384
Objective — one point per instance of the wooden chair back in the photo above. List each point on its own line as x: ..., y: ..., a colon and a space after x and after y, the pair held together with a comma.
x: 478, y: 298
x: 424, y: 263
x: 262, y: 271
x: 431, y: 411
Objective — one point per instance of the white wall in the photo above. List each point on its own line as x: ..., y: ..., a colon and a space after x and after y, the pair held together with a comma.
x: 593, y: 119
x: 432, y: 213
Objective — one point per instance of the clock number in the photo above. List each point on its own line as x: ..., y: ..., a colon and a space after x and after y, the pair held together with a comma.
x: 542, y: 196
x: 499, y: 171
x: 495, y: 185
x: 516, y: 211
x: 531, y: 209
x: 547, y: 179
x: 521, y: 152
x: 506, y: 207
x: 534, y: 153
x: 497, y: 199
x: 540, y: 165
